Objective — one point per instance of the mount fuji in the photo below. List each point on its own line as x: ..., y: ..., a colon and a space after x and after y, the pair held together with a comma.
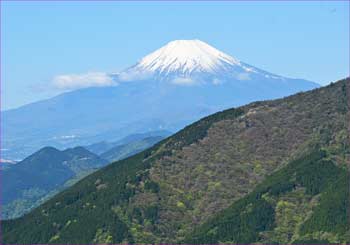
x: 166, y: 90
x: 193, y: 61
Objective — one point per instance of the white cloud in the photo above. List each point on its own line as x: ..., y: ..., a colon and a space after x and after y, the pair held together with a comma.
x: 184, y: 81
x: 7, y: 161
x: 243, y: 76
x: 76, y: 81
x: 133, y: 75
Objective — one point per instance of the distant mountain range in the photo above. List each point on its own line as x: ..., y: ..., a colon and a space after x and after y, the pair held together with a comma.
x: 105, y: 146
x: 30, y: 182
x: 123, y: 151
x: 168, y: 89
x: 26, y: 182
x: 270, y: 172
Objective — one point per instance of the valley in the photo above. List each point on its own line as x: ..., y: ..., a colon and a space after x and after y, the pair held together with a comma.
x: 37, y: 178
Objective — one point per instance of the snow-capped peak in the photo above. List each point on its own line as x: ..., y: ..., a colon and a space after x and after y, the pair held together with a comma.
x: 191, y: 60
x: 186, y: 56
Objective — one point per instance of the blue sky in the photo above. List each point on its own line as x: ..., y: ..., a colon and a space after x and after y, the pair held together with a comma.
x: 41, y: 40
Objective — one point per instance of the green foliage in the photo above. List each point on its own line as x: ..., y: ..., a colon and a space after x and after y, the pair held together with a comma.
x: 102, y: 237
x: 311, y: 241
x: 198, y: 130
x: 317, y: 176
x: 180, y: 205
x: 152, y: 186
x: 242, y: 222
x: 137, y: 214
x: 151, y: 213
x: 343, y: 104
x: 331, y: 214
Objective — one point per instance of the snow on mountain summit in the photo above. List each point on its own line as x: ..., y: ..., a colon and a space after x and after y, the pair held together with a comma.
x: 186, y: 56
x: 188, y: 62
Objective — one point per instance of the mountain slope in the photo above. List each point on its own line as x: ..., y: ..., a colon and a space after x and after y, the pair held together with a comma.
x: 123, y: 151
x: 103, y: 146
x: 146, y: 98
x: 305, y: 202
x: 44, y: 171
x: 192, y: 59
x: 162, y: 194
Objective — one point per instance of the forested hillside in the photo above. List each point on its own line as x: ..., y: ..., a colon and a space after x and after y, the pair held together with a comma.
x: 305, y: 202
x: 41, y: 175
x: 273, y: 172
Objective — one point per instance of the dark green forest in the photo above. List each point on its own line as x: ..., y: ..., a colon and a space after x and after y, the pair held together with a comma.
x: 245, y: 220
